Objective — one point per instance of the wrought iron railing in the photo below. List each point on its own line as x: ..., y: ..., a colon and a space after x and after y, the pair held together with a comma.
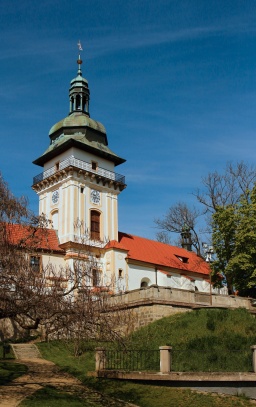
x: 82, y: 165
x: 211, y: 361
x: 132, y: 360
x: 181, y: 360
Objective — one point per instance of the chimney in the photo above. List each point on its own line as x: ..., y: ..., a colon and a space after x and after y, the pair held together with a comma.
x: 186, y: 241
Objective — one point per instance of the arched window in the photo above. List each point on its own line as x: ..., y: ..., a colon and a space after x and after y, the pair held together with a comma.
x: 145, y: 282
x: 71, y: 104
x: 78, y: 102
x: 95, y: 225
x: 55, y: 220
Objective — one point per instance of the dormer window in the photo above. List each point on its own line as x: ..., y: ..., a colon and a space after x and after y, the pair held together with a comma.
x: 182, y: 259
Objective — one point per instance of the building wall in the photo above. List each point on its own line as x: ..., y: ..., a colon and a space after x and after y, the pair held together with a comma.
x: 74, y: 206
x: 80, y: 155
x: 56, y: 260
x: 136, y: 274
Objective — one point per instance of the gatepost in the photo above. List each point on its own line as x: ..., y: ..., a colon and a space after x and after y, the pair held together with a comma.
x: 100, y: 359
x: 253, y: 348
x: 165, y: 359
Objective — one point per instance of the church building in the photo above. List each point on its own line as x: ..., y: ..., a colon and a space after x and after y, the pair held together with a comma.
x: 78, y: 191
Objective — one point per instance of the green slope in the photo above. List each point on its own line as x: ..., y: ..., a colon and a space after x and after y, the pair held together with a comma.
x: 211, y: 332
x: 212, y: 339
x: 221, y: 325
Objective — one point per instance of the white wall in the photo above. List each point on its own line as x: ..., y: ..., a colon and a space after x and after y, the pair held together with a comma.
x: 80, y: 155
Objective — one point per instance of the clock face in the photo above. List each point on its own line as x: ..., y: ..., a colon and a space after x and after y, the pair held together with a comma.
x: 55, y: 196
x: 95, y: 196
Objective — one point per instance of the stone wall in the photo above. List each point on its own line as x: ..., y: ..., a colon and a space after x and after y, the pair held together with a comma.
x: 154, y: 302
x: 145, y: 314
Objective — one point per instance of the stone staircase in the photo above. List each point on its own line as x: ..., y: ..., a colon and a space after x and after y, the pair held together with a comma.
x: 25, y: 351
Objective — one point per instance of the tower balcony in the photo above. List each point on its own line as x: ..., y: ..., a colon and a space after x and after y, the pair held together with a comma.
x: 83, y: 167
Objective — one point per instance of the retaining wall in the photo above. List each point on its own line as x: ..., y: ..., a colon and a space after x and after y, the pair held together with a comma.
x: 154, y: 302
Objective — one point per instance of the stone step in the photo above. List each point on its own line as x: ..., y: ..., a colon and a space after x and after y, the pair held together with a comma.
x: 25, y: 351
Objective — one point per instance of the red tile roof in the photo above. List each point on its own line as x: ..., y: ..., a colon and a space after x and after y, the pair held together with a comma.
x: 159, y: 254
x: 33, y: 238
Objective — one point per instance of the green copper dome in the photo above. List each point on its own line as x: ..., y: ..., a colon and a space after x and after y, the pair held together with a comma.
x: 77, y: 120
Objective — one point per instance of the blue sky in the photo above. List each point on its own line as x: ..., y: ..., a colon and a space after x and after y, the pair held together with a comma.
x: 173, y: 82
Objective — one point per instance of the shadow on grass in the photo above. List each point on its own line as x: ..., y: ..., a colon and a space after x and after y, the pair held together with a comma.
x: 50, y: 397
x: 10, y: 371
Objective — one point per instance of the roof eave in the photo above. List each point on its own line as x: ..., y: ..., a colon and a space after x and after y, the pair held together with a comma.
x: 164, y: 266
x: 74, y: 143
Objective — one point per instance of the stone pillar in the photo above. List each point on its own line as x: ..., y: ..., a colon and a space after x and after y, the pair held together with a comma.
x: 165, y: 359
x: 100, y: 359
x: 253, y: 348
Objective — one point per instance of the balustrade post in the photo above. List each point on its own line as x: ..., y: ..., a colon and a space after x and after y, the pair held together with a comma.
x: 253, y: 348
x: 100, y: 359
x: 165, y: 359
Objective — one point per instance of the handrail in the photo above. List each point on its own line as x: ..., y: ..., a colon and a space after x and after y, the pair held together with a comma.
x: 83, y: 165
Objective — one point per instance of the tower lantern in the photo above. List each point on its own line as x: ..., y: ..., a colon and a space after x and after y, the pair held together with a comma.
x: 79, y: 93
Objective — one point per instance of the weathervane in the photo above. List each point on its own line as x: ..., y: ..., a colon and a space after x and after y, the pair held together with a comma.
x: 80, y: 48
x: 79, y: 61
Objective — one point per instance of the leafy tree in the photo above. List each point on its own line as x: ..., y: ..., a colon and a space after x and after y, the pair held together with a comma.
x: 234, y: 239
x: 230, y: 200
x: 226, y: 210
x: 223, y: 239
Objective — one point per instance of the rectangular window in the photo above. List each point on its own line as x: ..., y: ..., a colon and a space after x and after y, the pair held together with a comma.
x: 35, y: 263
x: 120, y: 273
x: 95, y: 225
x: 95, y: 278
x: 94, y: 166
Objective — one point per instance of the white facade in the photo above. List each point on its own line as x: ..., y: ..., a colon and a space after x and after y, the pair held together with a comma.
x: 78, y: 192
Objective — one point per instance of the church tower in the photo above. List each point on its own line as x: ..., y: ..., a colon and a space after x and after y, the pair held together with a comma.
x: 79, y: 185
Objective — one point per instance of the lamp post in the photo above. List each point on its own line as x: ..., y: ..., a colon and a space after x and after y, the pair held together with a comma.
x: 208, y: 250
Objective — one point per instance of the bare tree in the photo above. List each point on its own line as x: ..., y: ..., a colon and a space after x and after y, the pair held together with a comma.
x: 63, y: 301
x: 220, y: 190
x: 177, y: 218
